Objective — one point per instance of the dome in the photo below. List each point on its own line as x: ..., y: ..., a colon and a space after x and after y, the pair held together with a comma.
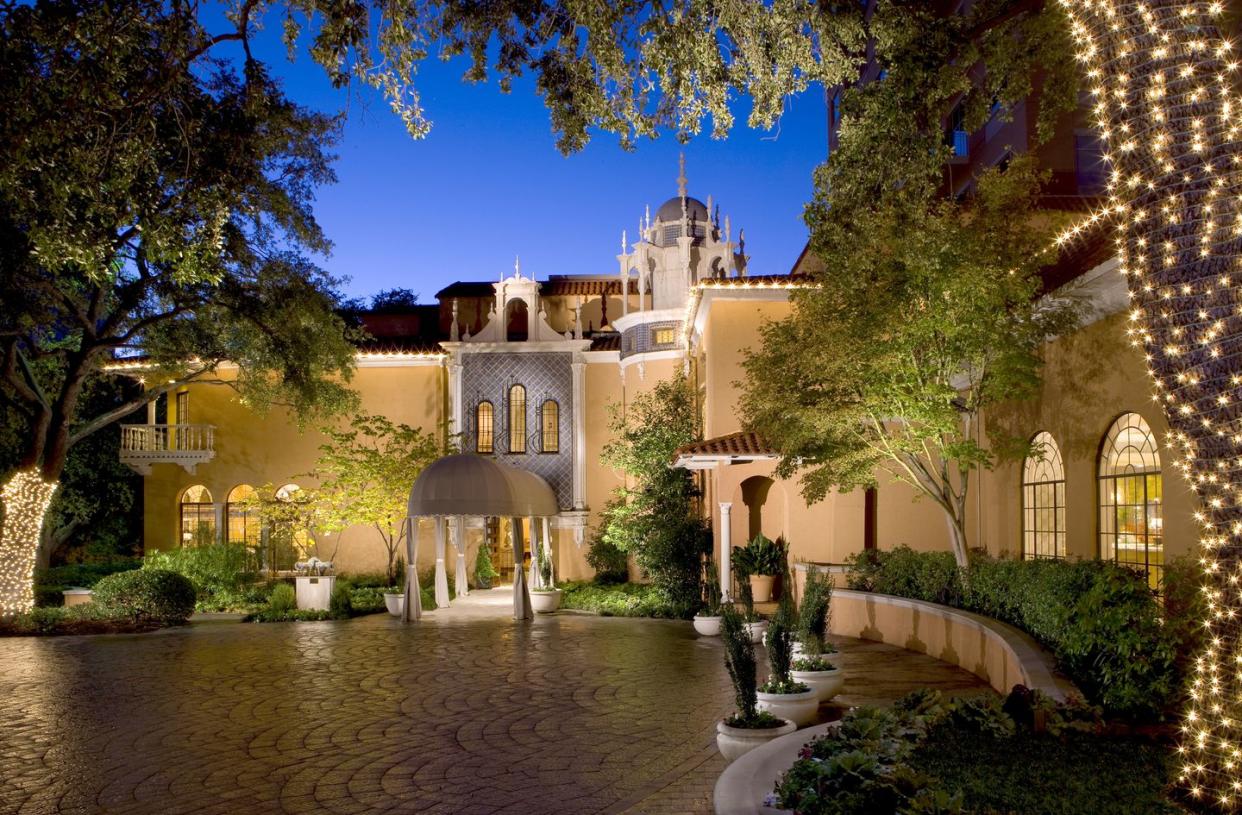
x: 670, y: 210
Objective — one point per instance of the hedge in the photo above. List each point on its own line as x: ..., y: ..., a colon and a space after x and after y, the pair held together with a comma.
x: 1100, y: 620
x: 154, y: 595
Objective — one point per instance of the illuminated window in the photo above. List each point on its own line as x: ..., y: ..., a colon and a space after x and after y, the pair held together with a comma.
x: 550, y: 428
x: 243, y: 522
x: 484, y: 433
x: 1043, y: 500
x: 517, y: 419
x: 664, y: 336
x: 288, y: 540
x: 198, y: 516
x: 1131, y: 490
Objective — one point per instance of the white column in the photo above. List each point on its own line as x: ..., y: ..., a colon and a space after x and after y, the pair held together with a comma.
x: 535, y: 577
x: 547, y: 548
x: 442, y: 592
x: 455, y: 406
x: 726, y: 550
x: 459, y: 544
x: 521, y: 595
x: 412, y: 607
x: 151, y: 410
x: 579, y: 440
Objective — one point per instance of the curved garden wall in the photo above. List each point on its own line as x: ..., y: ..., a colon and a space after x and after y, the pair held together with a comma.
x: 997, y: 653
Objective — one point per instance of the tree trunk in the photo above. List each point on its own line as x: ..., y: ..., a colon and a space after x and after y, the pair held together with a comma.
x: 26, y: 498
x: 957, y: 539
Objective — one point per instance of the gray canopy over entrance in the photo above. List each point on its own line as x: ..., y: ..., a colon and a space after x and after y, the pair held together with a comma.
x: 467, y: 485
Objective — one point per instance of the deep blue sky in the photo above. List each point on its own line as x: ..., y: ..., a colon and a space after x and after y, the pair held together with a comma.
x: 488, y: 183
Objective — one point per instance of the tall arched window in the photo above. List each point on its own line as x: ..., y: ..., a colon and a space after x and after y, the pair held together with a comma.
x: 550, y: 426
x: 1043, y: 500
x: 1131, y: 492
x: 198, y: 516
x: 289, y: 539
x: 484, y: 434
x: 243, y: 522
x: 517, y: 419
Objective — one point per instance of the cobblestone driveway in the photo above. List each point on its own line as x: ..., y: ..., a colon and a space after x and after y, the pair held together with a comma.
x: 463, y: 713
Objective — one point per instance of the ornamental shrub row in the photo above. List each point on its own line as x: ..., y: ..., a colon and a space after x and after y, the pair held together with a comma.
x: 1101, y: 621
x: 147, y: 595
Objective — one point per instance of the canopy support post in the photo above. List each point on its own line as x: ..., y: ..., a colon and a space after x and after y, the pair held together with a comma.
x: 442, y: 589
x: 547, y: 550
x: 521, y: 594
x: 458, y: 530
x: 412, y: 606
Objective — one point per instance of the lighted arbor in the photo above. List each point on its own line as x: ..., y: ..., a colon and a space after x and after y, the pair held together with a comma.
x: 1164, y: 103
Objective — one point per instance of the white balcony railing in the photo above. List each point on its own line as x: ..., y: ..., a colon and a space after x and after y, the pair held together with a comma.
x: 186, y: 445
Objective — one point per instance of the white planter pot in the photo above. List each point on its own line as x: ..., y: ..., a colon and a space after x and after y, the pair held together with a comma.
x: 545, y: 602
x: 799, y: 708
x: 734, y: 741
x: 756, y: 630
x: 707, y: 626
x: 395, y: 603
x: 826, y: 684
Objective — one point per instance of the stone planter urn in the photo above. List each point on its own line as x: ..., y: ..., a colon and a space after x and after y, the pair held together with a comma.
x: 545, y: 601
x: 77, y: 597
x: 707, y: 626
x: 800, y: 708
x: 756, y: 630
x: 826, y: 684
x: 735, y: 741
x: 761, y: 587
x: 395, y: 602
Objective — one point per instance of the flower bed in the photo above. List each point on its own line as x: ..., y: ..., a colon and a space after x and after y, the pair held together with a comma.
x: 977, y: 755
x: 618, y: 599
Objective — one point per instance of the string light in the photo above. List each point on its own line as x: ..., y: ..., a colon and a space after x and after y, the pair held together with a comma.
x: 26, y: 500
x: 1161, y: 80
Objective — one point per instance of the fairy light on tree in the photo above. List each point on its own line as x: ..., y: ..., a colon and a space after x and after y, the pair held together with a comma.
x: 1161, y: 77
x: 26, y: 499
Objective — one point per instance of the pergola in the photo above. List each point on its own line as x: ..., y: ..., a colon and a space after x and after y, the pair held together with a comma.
x: 460, y: 486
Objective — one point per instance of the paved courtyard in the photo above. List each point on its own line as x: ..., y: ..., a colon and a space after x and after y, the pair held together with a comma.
x: 462, y: 713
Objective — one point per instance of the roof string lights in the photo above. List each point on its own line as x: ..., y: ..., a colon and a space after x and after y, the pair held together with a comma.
x: 1162, y: 78
x: 26, y: 499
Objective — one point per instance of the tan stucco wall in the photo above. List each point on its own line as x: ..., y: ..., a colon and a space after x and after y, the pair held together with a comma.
x: 731, y: 327
x: 253, y: 449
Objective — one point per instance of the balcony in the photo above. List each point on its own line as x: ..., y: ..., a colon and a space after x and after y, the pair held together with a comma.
x: 187, y: 445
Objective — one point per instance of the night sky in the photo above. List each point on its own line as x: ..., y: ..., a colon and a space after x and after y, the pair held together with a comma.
x: 489, y: 184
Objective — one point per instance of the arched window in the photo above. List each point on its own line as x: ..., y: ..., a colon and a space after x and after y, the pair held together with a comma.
x: 198, y: 516
x: 1043, y: 500
x: 484, y: 434
x: 288, y: 539
x: 550, y: 426
x: 243, y: 522
x: 1131, y: 491
x: 517, y: 419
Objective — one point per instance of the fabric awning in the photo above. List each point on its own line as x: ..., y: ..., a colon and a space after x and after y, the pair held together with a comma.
x: 472, y: 485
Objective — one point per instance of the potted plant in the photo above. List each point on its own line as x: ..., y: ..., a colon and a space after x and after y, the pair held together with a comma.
x: 811, y: 667
x: 484, y: 571
x: 754, y: 625
x: 394, y: 600
x: 546, y: 598
x: 748, y: 727
x: 782, y: 695
x: 759, y: 562
x: 707, y: 621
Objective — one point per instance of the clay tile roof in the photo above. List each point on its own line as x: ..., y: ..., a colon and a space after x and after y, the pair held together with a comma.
x: 744, y: 444
x: 557, y: 286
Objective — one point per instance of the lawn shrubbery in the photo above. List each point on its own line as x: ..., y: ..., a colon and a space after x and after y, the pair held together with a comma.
x: 147, y: 595
x: 621, y: 600
x: 50, y: 583
x: 218, y: 572
x: 977, y: 755
x: 1100, y: 620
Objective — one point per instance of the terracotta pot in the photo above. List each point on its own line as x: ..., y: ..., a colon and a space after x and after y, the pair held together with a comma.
x: 707, y: 626
x: 756, y: 630
x: 545, y: 602
x: 761, y: 587
x: 826, y: 684
x: 800, y: 708
x: 735, y: 741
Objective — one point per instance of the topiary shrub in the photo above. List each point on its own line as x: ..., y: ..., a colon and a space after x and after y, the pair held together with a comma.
x: 283, y: 599
x: 153, y: 595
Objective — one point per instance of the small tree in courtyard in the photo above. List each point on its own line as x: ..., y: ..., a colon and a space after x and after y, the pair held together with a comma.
x: 926, y: 314
x: 366, y: 472
x: 654, y: 515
